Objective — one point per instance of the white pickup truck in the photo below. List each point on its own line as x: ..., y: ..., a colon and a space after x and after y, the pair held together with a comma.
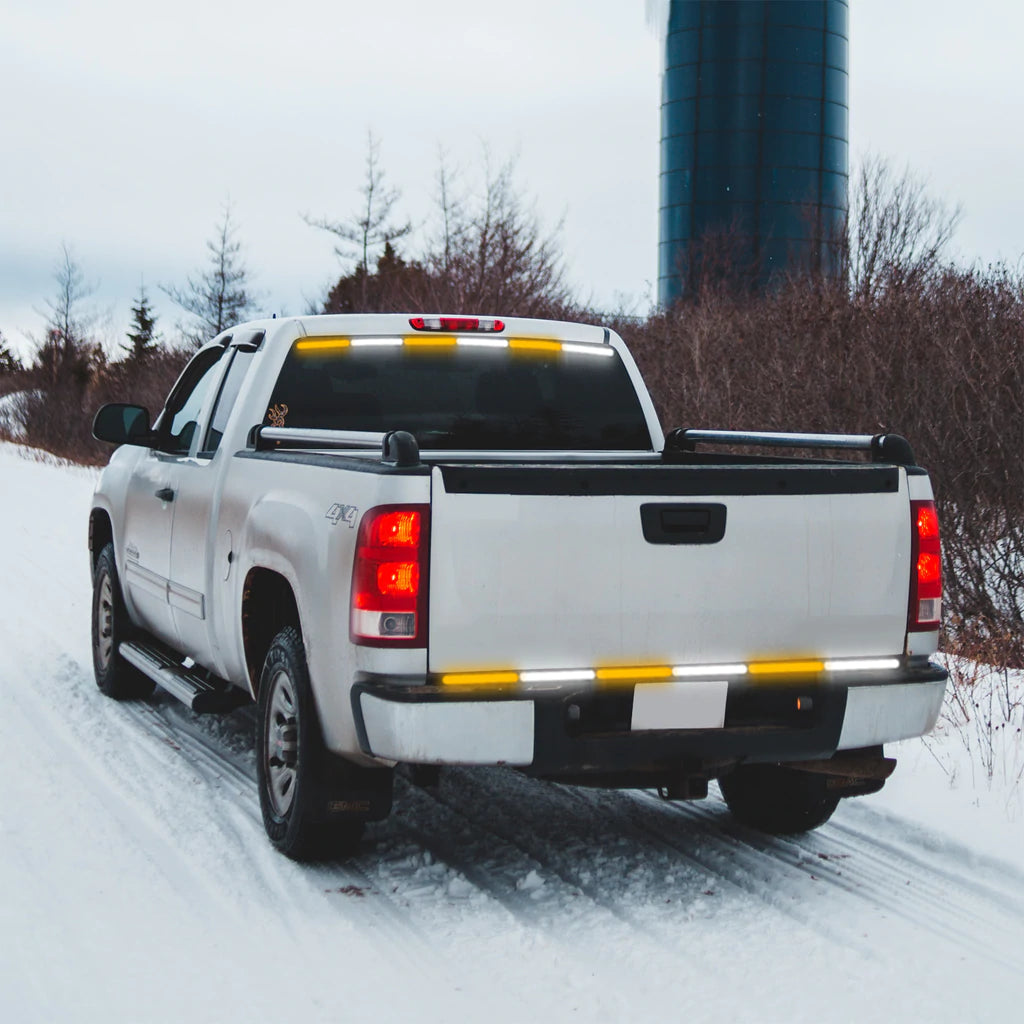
x: 433, y: 540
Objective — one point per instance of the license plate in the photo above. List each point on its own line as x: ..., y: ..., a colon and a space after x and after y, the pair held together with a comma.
x: 694, y: 704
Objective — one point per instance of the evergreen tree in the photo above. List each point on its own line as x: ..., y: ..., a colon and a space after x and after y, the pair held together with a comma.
x: 392, y: 286
x: 9, y: 362
x: 143, y: 335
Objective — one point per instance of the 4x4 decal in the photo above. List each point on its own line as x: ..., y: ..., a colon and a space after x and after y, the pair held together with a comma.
x: 343, y: 514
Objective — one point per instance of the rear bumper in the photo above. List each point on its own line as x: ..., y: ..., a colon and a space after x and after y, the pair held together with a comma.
x: 884, y: 714
x: 574, y: 734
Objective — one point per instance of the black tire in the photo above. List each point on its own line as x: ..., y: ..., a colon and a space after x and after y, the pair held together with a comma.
x: 110, y: 626
x: 777, y: 800
x: 292, y: 762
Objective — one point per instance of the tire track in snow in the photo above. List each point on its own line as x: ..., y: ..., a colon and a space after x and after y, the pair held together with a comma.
x: 484, y: 860
x: 929, y: 852
x: 688, y: 854
x: 864, y: 867
x: 965, y: 913
x: 550, y: 827
x: 707, y: 850
x: 779, y: 873
x: 133, y: 820
x: 157, y: 737
x: 307, y: 885
x: 495, y: 862
x: 312, y: 899
x: 376, y: 891
x: 871, y: 873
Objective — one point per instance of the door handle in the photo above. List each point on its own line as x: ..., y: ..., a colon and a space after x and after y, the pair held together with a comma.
x: 165, y: 494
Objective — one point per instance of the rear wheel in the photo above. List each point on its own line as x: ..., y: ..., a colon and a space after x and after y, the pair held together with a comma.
x: 777, y: 800
x: 291, y: 760
x: 110, y: 627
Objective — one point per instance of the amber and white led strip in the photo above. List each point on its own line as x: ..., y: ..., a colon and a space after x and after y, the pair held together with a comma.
x: 453, y: 341
x: 666, y: 673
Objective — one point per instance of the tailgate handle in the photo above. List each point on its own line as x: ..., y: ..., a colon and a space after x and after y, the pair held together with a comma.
x: 683, y: 524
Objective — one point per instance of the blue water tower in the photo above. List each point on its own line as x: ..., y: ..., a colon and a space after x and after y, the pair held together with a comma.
x: 754, y: 150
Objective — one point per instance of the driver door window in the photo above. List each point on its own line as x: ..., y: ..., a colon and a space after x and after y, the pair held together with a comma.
x: 180, y: 421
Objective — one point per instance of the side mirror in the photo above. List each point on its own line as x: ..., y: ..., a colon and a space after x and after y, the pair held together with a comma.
x: 123, y: 424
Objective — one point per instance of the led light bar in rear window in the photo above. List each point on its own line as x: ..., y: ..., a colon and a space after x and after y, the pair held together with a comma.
x: 526, y: 346
x: 455, y: 323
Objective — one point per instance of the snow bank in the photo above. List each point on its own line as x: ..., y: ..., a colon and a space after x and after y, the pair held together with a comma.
x: 969, y: 774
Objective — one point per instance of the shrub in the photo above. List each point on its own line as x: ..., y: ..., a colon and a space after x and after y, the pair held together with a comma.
x: 939, y: 360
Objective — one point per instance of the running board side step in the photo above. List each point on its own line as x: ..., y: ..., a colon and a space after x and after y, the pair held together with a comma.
x: 195, y: 688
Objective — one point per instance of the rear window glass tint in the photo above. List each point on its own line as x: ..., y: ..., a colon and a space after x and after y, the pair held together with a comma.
x: 464, y: 399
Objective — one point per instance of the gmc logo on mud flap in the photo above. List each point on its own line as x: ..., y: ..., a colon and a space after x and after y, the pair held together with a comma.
x: 342, y: 514
x: 348, y: 806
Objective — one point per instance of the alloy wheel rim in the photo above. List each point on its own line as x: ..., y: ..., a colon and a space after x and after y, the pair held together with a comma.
x: 281, y: 744
x: 105, y: 622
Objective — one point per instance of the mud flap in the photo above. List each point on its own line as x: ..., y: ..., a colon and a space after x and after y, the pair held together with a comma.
x: 352, y: 792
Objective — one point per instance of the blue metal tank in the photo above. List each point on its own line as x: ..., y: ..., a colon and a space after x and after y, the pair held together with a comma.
x: 754, y: 151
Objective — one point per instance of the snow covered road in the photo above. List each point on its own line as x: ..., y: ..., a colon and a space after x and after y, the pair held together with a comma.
x: 138, y: 885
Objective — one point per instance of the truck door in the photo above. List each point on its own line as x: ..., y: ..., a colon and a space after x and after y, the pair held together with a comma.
x: 199, y: 557
x: 152, y: 493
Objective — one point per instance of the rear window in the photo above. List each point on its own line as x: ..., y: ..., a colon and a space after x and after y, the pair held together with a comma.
x: 463, y: 398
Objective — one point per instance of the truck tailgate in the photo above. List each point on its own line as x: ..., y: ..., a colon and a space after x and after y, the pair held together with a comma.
x: 548, y: 567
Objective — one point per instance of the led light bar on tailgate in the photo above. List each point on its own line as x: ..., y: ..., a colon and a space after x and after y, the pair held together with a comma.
x: 646, y: 673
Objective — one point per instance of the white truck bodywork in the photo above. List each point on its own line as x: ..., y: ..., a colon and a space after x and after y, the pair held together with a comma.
x: 539, y: 572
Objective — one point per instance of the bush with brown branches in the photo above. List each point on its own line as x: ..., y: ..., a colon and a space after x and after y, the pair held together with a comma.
x: 909, y: 344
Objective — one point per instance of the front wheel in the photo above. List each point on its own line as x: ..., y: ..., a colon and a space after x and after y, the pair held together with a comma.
x: 110, y: 626
x: 291, y: 759
x: 777, y: 800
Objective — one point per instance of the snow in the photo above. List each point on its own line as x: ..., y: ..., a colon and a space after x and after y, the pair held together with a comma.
x: 138, y: 885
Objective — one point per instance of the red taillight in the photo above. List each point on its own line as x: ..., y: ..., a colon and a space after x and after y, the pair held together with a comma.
x: 926, y: 562
x: 399, y: 529
x: 389, y: 577
x: 398, y: 579
x: 455, y: 323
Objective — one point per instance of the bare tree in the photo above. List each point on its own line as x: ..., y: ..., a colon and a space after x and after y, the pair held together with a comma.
x: 487, y: 252
x: 372, y: 228
x: 67, y: 362
x: 220, y: 295
x: 67, y: 351
x: 451, y: 209
x: 896, y: 232
x: 493, y: 253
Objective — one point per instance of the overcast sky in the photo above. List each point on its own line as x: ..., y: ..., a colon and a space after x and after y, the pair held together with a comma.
x: 126, y: 126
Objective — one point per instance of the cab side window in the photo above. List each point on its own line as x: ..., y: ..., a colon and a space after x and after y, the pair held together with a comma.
x: 180, y: 420
x: 233, y: 379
